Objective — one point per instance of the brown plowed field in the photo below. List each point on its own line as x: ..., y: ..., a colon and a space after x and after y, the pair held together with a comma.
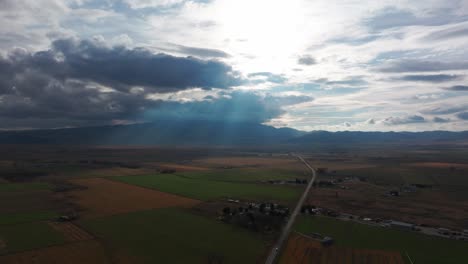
x: 239, y: 162
x: 301, y: 249
x: 70, y: 231
x: 106, y: 197
x: 89, y: 252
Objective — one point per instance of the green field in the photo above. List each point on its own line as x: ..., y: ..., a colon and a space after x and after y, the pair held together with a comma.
x: 13, y: 187
x: 204, y: 187
x: 28, y: 236
x: 25, y: 217
x: 243, y: 175
x: 175, y: 236
x: 421, y: 248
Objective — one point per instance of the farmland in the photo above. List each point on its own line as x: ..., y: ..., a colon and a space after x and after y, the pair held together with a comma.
x: 301, y: 249
x: 90, y: 252
x: 104, y: 197
x: 417, y: 246
x: 26, y: 236
x: 198, y: 240
x: 17, y: 187
x: 141, y: 205
x: 204, y: 188
x: 25, y: 217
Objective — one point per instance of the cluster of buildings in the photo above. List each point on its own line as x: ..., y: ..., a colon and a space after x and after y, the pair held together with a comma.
x: 295, y: 181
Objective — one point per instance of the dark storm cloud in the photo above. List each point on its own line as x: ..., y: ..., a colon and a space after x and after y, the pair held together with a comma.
x: 73, y: 100
x: 463, y: 115
x: 457, y: 88
x: 140, y: 67
x: 421, y: 66
x: 403, y: 120
x: 118, y: 67
x: 78, y: 83
x: 260, y: 77
x: 306, y: 60
x: 436, y: 78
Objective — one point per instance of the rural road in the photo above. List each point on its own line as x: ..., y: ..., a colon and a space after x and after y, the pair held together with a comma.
x: 287, y: 229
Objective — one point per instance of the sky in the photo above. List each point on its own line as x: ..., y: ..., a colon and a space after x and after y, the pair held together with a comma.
x: 310, y: 65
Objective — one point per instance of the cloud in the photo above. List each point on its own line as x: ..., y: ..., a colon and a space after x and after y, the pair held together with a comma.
x: 437, y: 119
x: 457, y: 88
x: 260, y: 77
x: 421, y: 66
x: 198, y: 52
x: 370, y: 121
x: 436, y: 78
x: 452, y: 32
x: 306, y: 60
x: 78, y: 83
x: 139, y: 4
x: 122, y: 68
x: 394, y: 17
x: 391, y: 121
x: 350, y: 81
x: 463, y: 115
x: 444, y: 109
x: 288, y: 99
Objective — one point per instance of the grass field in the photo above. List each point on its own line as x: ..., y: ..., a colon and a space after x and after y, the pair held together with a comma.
x: 11, y: 187
x: 85, y: 252
x: 28, y: 236
x: 174, y: 236
x: 25, y: 217
x: 202, y: 187
x: 421, y: 248
x: 243, y: 175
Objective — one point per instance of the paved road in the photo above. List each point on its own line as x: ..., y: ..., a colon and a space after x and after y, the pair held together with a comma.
x: 287, y: 229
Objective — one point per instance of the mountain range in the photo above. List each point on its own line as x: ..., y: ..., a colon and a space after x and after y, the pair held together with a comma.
x: 217, y: 133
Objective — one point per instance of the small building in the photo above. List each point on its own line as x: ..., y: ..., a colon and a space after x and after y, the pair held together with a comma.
x: 401, y: 225
x: 327, y: 241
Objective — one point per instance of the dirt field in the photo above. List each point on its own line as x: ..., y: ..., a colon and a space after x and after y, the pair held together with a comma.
x: 368, y: 200
x: 89, y: 252
x: 301, y: 249
x: 439, y: 165
x: 106, y: 197
x: 246, y: 162
x: 70, y: 231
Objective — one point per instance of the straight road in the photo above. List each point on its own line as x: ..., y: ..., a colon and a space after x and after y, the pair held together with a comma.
x: 287, y: 229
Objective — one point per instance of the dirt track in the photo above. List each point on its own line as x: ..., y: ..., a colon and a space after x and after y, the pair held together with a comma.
x: 71, y: 232
x: 106, y: 197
